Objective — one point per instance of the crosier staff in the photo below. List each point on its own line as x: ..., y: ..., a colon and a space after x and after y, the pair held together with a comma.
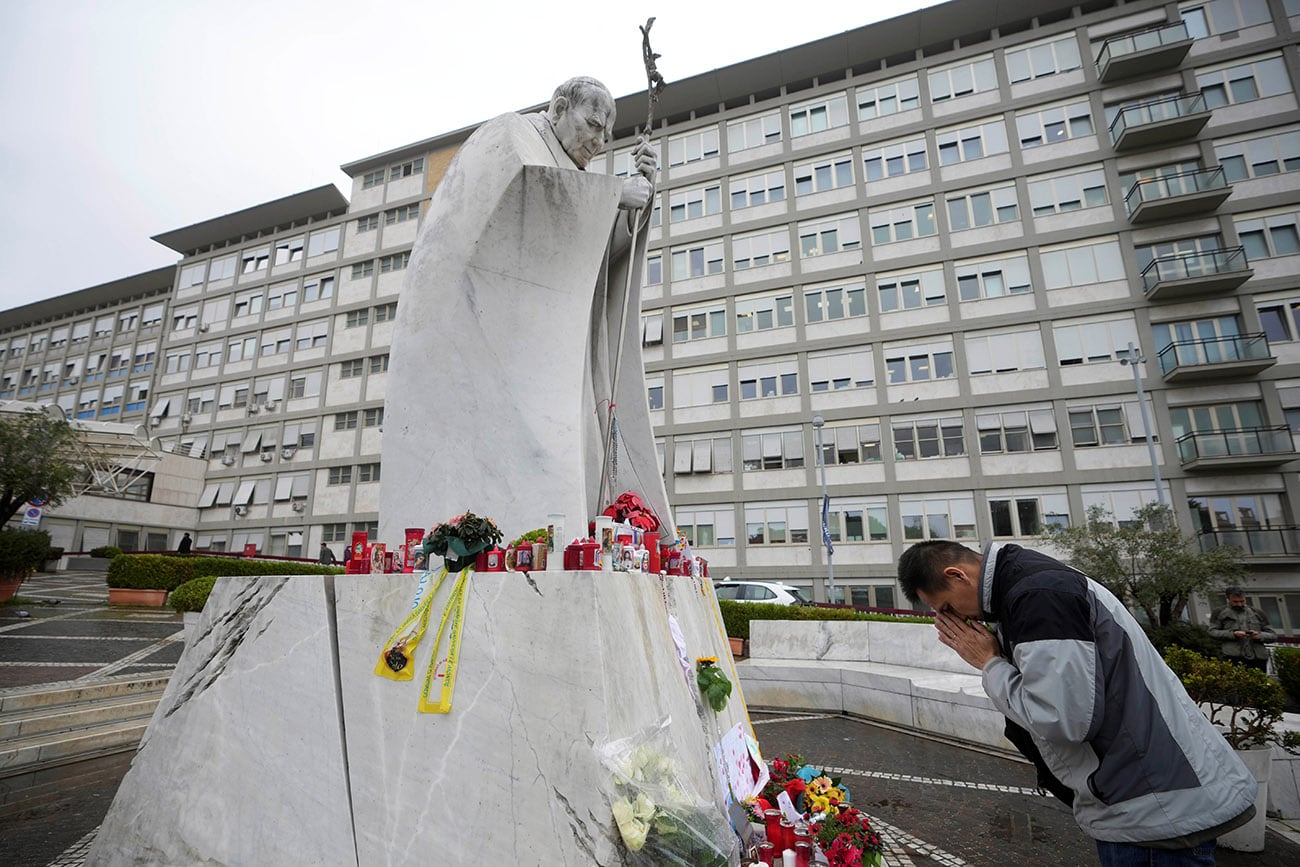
x: 654, y: 86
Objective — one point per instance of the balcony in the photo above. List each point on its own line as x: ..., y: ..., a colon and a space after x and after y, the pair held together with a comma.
x: 1143, y: 53
x: 1161, y: 121
x: 1208, y: 451
x: 1255, y: 541
x: 1176, y: 196
x: 1187, y: 275
x: 1215, y: 358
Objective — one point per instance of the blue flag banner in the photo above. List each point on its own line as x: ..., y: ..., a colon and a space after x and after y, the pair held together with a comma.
x: 826, y: 530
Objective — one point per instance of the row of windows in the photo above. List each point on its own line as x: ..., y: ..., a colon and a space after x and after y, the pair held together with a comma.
x: 406, y: 169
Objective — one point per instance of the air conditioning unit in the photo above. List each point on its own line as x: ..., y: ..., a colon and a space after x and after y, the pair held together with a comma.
x: 298, y: 507
x: 73, y: 380
x: 187, y: 418
x: 154, y: 421
x: 270, y: 405
x: 241, y: 510
x: 266, y: 457
x: 287, y: 452
x: 228, y: 460
x: 253, y: 409
x: 204, y: 328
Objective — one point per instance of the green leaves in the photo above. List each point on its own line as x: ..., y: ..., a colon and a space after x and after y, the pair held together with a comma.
x: 714, y: 685
x: 36, y: 460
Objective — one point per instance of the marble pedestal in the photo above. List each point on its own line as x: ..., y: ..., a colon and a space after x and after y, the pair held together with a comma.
x: 276, y: 742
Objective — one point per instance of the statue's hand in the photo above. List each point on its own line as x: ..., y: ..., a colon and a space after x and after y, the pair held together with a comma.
x: 639, y: 189
x: 645, y: 158
x: 636, y: 193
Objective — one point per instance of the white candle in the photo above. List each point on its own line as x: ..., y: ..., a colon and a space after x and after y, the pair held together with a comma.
x: 787, y: 858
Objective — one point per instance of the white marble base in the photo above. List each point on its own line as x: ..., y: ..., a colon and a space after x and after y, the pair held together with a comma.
x: 549, y: 669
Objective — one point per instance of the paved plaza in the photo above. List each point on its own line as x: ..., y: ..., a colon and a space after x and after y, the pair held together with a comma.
x: 937, y: 803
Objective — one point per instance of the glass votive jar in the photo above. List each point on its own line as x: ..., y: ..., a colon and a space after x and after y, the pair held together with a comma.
x: 803, y: 853
x: 772, y: 826
x: 787, y: 835
x: 766, y: 853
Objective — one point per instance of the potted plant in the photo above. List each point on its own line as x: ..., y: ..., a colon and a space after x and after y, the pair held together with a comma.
x: 145, y: 579
x: 1246, y: 706
x: 189, y: 599
x: 459, y: 539
x: 22, y: 552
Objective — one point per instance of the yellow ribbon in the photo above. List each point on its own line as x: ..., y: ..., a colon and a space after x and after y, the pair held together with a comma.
x: 455, y: 610
x: 407, y: 636
x: 400, y: 647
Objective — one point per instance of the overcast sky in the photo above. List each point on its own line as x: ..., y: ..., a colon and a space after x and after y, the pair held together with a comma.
x: 121, y: 119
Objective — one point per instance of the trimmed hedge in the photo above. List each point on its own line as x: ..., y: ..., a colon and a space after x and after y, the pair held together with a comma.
x: 105, y: 552
x: 22, y: 552
x: 192, y: 595
x: 1287, y: 662
x: 736, y: 616
x: 1191, y: 636
x: 169, y: 571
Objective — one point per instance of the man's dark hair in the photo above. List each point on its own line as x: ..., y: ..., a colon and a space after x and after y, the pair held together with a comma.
x: 1234, y: 591
x: 920, y: 569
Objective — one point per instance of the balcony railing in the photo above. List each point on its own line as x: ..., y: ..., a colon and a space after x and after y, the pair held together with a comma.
x: 1203, y: 273
x: 1256, y: 542
x: 1218, y: 357
x: 1147, y: 51
x: 1159, y: 121
x: 1257, y: 446
x: 1177, y: 195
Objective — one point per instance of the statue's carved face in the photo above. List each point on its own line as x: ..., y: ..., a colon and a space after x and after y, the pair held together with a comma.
x: 583, y: 129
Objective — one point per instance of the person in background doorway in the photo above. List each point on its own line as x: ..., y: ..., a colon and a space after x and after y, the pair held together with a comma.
x: 1243, y: 631
x: 185, y: 545
x: 327, y: 557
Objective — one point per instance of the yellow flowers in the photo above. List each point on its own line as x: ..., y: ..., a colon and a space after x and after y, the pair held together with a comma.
x: 821, y: 795
x: 633, y: 818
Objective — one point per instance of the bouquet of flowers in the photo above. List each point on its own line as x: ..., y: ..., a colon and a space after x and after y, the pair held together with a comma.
x: 846, y: 838
x: 714, y: 686
x: 810, y: 789
x: 463, y: 536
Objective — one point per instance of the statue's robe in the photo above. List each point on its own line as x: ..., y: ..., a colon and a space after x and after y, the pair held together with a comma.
x: 505, y: 344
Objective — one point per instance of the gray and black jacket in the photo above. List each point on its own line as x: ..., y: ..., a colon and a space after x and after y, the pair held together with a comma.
x: 1112, y: 722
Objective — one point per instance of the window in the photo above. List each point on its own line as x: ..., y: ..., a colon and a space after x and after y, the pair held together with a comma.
x: 368, y: 472
x: 853, y: 519
x: 1222, y: 16
x: 962, y: 144
x: 177, y: 361
x: 826, y: 173
x: 764, y: 312
x: 254, y: 261
x: 916, y: 439
x: 707, y: 454
x: 406, y: 169
x: 378, y: 363
x: 222, y: 269
x: 694, y: 203
x: 697, y: 260
x: 1043, y: 59
x: 305, y: 384
x: 402, y: 214
x: 1054, y: 124
x: 974, y: 209
x: 370, y: 528
x: 707, y: 526
x: 183, y: 320
x: 759, y: 249
x: 144, y: 356
x: 1101, y: 425
x: 1083, y: 264
x: 1094, y: 340
x: 853, y: 443
x: 1260, y: 157
x: 241, y: 349
x: 357, y: 318
x: 1021, y: 514
x: 902, y: 222
x: 318, y: 287
x: 367, y: 224
x: 911, y: 290
x: 340, y: 476
x: 992, y: 277
x: 835, y: 301
x: 919, y: 363
x: 692, y: 147
x: 345, y: 420
x: 373, y: 417
x: 1243, y: 82
x: 1271, y: 235
x: 103, y: 326
x: 395, y: 262
x: 841, y: 369
x: 757, y: 189
x: 126, y: 322
x: 776, y: 523
x: 753, y: 132
x: 192, y: 275
x: 819, y: 115
x: 654, y: 269
x: 772, y: 449
x: 699, y: 323
x: 830, y: 235
x: 277, y: 342
x: 697, y: 387
x: 1211, y: 418
x: 386, y: 312
x: 1227, y: 512
x: 963, y: 79
x: 288, y: 250
x: 1018, y: 430
x: 249, y: 304
x: 940, y: 516
x: 1146, y: 254
x: 652, y: 329
x: 352, y: 368
x: 1281, y: 321
x: 768, y: 378
x: 284, y: 295
x: 363, y: 269
x: 1004, y: 352
x: 373, y: 179
x: 891, y: 97
x: 312, y: 335
x: 894, y: 160
x: 655, y: 392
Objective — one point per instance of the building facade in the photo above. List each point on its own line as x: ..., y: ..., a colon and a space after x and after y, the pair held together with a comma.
x: 940, y: 235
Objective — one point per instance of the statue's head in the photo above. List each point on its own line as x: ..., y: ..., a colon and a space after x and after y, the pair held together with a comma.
x: 582, y: 115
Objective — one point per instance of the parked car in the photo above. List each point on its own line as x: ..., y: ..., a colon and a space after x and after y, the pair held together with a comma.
x: 760, y: 591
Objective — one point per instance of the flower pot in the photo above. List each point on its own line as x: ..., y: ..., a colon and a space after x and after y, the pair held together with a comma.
x: 138, y: 598
x: 9, y: 588
x: 737, y: 646
x: 1250, y: 836
x: 459, y: 555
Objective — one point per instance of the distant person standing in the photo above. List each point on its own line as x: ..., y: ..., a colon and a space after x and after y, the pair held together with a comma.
x: 327, y: 557
x: 1243, y: 631
x: 185, y: 545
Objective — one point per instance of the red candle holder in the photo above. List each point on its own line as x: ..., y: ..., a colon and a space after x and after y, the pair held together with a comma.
x: 803, y: 853
x: 787, y: 835
x: 766, y: 853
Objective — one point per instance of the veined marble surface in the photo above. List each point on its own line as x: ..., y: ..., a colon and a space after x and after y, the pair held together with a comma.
x: 252, y: 767
x: 907, y: 644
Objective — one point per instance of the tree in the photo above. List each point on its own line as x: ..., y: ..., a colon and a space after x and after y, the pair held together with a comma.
x: 1146, y: 562
x: 35, y: 460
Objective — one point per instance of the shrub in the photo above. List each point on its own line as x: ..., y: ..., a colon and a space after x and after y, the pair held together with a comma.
x: 192, y: 595
x: 1190, y: 636
x: 736, y: 616
x: 1287, y: 661
x: 1241, y: 701
x: 22, y: 552
x: 105, y: 552
x: 169, y: 571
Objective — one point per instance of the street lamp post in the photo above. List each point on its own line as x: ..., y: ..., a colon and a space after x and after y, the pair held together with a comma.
x: 1133, y: 359
x: 817, y: 423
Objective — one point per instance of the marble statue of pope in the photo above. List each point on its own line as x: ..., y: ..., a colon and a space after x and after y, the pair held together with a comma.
x: 502, y: 360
